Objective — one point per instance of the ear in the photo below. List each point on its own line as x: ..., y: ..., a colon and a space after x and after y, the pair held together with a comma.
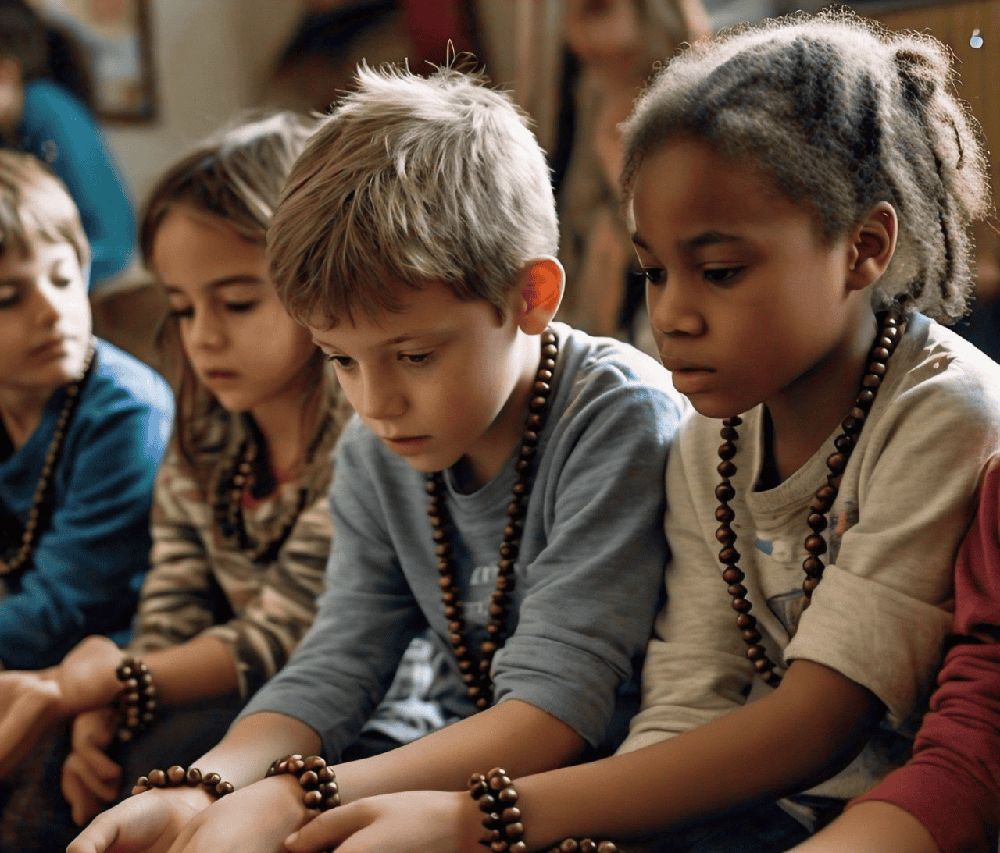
x: 872, y: 244
x: 540, y: 286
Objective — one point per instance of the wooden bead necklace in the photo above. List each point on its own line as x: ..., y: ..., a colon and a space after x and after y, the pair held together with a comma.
x: 39, y: 513
x: 889, y: 333
x: 476, y: 672
x: 229, y: 516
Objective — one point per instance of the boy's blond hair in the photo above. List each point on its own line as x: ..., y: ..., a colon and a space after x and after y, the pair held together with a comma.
x: 36, y: 206
x: 411, y: 180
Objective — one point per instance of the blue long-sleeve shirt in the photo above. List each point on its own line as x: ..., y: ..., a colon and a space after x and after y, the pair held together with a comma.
x: 84, y: 575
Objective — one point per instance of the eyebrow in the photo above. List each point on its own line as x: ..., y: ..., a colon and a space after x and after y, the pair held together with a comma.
x: 709, y: 238
x: 247, y: 279
x: 396, y: 341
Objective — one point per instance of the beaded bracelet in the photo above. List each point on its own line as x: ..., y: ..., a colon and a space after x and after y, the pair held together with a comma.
x: 316, y: 778
x: 177, y: 776
x: 137, y: 699
x: 497, y: 799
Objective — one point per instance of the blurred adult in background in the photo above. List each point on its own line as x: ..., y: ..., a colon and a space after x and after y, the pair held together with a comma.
x: 333, y: 36
x: 611, y: 48
x: 44, y: 86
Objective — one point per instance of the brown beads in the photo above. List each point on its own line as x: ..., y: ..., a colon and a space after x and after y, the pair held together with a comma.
x: 13, y: 559
x: 229, y: 519
x: 497, y: 799
x: 890, y: 331
x: 319, y: 784
x: 137, y: 699
x: 176, y: 777
x: 476, y: 671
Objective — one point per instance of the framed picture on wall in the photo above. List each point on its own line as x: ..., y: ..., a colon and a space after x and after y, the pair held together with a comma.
x: 115, y: 40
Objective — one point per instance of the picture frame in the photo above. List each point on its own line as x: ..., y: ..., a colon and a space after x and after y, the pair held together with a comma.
x: 116, y: 39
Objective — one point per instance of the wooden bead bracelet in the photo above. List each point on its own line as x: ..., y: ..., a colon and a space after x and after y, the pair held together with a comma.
x: 497, y: 799
x: 137, y: 699
x: 178, y: 776
x: 316, y: 778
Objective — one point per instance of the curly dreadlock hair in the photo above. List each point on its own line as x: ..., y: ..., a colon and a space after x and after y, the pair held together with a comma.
x: 840, y: 113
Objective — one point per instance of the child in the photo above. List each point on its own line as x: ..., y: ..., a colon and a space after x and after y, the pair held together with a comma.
x: 948, y: 797
x: 798, y: 196
x: 82, y: 429
x: 241, y: 528
x: 431, y: 284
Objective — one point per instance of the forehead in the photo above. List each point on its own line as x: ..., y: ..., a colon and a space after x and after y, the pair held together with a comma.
x: 685, y: 188
x: 432, y: 310
x: 37, y: 252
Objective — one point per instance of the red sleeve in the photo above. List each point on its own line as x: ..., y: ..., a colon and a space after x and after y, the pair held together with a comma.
x: 952, y: 783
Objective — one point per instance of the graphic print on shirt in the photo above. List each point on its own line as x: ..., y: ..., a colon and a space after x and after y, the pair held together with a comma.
x: 781, y: 559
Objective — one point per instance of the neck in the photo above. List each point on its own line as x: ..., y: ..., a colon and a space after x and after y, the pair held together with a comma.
x: 21, y: 412
x: 486, y: 459
x: 804, y: 414
x: 281, y: 423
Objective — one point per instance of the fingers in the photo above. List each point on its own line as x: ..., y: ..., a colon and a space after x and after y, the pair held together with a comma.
x: 330, y: 829
x: 101, y: 836
x: 84, y: 804
x: 27, y: 719
x: 100, y: 784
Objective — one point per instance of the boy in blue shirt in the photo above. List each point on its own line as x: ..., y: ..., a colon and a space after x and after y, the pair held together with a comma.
x: 500, y: 487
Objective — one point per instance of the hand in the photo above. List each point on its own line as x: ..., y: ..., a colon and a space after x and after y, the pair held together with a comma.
x: 30, y: 707
x: 90, y: 779
x: 409, y: 822
x: 255, y: 819
x: 87, y: 677
x: 149, y: 822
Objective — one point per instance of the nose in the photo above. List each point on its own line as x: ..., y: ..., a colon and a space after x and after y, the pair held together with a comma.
x: 379, y: 398
x: 206, y: 330
x: 672, y: 310
x: 45, y: 306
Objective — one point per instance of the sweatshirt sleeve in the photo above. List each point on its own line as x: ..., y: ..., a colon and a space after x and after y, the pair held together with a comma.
x: 952, y: 783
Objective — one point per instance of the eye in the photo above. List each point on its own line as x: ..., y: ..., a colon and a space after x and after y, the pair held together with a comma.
x: 8, y: 295
x: 181, y: 312
x: 61, y: 281
x: 415, y: 358
x: 341, y: 362
x: 241, y: 307
x: 655, y: 276
x: 721, y: 275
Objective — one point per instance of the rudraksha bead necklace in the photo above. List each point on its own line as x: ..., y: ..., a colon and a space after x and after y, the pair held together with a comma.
x: 229, y: 516
x: 889, y: 333
x: 476, y: 672
x: 37, y: 516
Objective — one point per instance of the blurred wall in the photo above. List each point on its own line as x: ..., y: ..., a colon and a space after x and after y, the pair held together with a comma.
x: 210, y: 60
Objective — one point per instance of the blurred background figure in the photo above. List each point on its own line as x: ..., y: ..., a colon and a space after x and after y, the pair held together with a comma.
x: 332, y: 36
x: 610, y: 48
x: 45, y: 110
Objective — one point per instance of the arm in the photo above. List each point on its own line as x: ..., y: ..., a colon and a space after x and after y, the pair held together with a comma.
x: 948, y: 797
x: 812, y: 724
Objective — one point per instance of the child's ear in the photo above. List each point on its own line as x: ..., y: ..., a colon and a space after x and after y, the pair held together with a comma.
x: 540, y: 287
x: 872, y: 246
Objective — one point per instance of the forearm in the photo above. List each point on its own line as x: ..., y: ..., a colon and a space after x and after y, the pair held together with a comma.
x: 803, y: 732
x: 872, y: 827
x: 254, y: 742
x: 201, y: 668
x: 513, y: 734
